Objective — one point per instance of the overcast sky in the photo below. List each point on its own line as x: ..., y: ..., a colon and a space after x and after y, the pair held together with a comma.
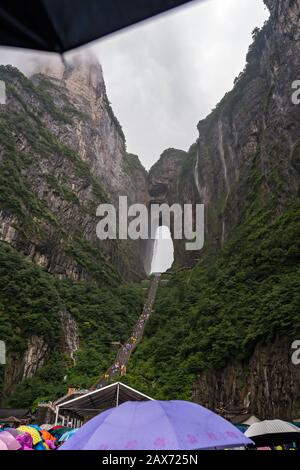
x: 167, y: 73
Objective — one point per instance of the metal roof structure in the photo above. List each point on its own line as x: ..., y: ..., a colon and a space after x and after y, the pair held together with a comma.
x: 88, y: 405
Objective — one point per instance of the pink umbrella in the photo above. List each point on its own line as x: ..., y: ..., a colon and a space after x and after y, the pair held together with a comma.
x: 25, y: 440
x: 10, y: 441
x: 50, y: 444
x: 14, y: 432
x: 3, y: 446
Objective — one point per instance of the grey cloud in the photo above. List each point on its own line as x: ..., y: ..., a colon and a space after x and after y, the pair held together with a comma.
x: 166, y: 74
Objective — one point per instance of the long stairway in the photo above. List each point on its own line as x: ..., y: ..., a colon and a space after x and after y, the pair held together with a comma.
x: 118, y: 368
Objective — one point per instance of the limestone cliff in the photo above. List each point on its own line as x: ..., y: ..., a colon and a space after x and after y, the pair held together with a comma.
x: 267, y: 385
x: 62, y: 154
x: 223, y: 329
x: 248, y: 147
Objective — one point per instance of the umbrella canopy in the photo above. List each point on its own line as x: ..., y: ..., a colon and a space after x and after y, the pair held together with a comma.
x: 274, y: 426
x: 61, y: 25
x: 46, y: 427
x: 58, y: 432
x: 14, y: 432
x: 241, y: 427
x: 10, y: 441
x: 273, y: 432
x: 67, y: 435
x: 46, y: 435
x: 3, y: 446
x: 36, y: 437
x: 156, y: 425
x: 25, y: 440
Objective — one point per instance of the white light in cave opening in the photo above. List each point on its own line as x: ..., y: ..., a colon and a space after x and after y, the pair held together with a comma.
x: 163, y: 252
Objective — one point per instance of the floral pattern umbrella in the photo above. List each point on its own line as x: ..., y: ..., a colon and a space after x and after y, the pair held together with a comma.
x: 156, y: 425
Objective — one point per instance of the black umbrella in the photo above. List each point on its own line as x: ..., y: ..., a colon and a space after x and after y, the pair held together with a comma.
x: 61, y: 25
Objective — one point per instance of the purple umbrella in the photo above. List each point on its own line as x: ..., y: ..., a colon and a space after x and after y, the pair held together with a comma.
x: 3, y: 446
x: 25, y: 441
x: 14, y: 432
x: 9, y: 440
x: 156, y: 425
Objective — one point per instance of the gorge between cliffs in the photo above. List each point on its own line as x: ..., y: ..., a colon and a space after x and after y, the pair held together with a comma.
x: 225, y: 317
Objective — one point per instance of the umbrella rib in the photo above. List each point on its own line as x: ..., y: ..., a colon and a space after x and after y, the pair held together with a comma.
x: 170, y: 424
x: 21, y: 29
x: 60, y: 47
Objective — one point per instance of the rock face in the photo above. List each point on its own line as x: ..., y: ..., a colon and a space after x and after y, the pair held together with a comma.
x: 70, y: 335
x: 96, y: 134
x: 245, y: 165
x: 248, y: 147
x: 169, y: 182
x: 18, y: 369
x: 62, y: 153
x: 67, y: 155
x: 250, y: 144
x: 35, y: 356
x: 267, y: 385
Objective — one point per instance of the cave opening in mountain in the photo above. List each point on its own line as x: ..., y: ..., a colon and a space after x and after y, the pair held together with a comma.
x: 163, y: 250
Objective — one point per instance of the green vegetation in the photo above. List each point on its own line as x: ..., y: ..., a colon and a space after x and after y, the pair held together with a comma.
x: 134, y: 165
x: 30, y: 304
x: 249, y: 293
x: 42, y: 182
x: 29, y: 178
x: 223, y: 307
x: 90, y: 258
x: 296, y: 158
x: 188, y: 163
x: 114, y: 118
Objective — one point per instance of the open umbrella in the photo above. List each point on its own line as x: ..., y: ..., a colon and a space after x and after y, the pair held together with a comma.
x: 156, y: 425
x: 47, y: 435
x: 25, y: 440
x: 3, y: 446
x: 58, y: 432
x: 46, y: 427
x: 61, y: 25
x: 67, y: 435
x: 14, y: 432
x: 36, y: 437
x: 9, y: 440
x: 273, y: 432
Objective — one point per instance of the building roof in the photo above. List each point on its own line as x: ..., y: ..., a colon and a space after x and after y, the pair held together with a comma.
x: 69, y: 396
x: 20, y: 413
x: 100, y: 400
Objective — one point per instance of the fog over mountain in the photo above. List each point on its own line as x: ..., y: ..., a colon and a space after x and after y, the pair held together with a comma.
x: 166, y: 73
